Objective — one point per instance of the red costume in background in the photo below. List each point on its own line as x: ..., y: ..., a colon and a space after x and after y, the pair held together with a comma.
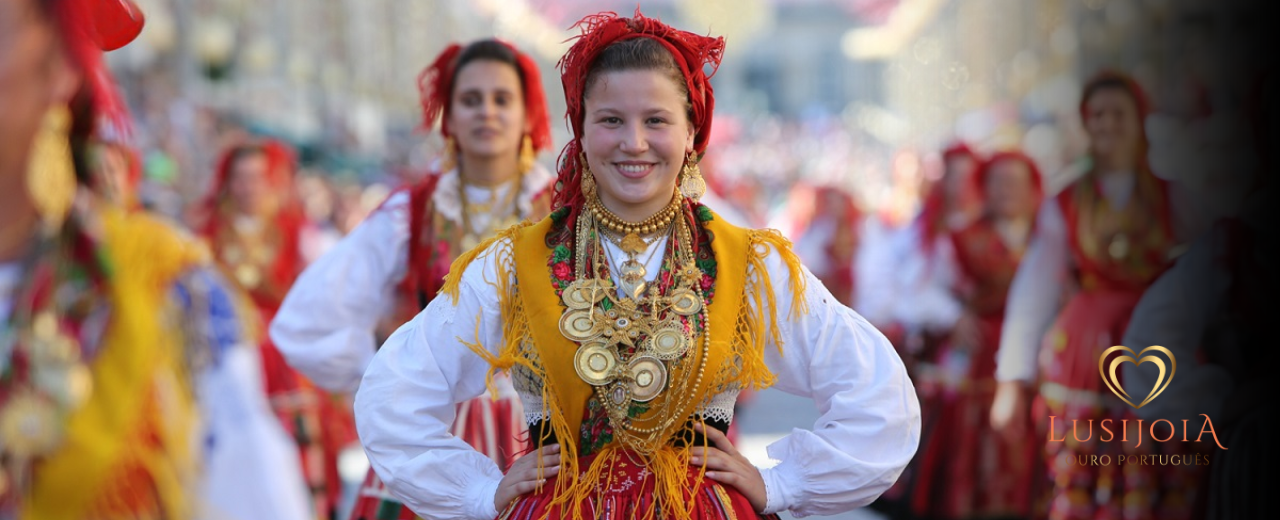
x: 967, y: 470
x: 264, y: 264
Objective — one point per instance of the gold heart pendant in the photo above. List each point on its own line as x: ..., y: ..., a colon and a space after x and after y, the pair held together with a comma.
x: 1112, y: 379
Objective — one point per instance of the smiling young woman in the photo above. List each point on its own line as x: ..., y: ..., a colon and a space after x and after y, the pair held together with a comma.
x: 630, y: 320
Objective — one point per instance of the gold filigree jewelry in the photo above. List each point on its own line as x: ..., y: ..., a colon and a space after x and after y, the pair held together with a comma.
x: 493, y: 207
x: 51, y: 174
x: 648, y: 378
x: 580, y: 325
x: 527, y: 154
x: 588, y: 182
x: 595, y: 363
x: 641, y: 352
x: 449, y: 156
x: 616, y: 224
x: 692, y: 186
x: 582, y: 294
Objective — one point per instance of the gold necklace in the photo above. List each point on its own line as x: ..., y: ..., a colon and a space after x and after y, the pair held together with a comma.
x: 650, y: 324
x: 616, y: 224
x: 470, y: 238
x: 632, y: 273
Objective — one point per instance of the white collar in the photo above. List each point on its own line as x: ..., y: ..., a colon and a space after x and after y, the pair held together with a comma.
x: 445, y: 198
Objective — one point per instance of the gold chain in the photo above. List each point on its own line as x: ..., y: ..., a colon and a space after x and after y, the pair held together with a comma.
x: 492, y: 207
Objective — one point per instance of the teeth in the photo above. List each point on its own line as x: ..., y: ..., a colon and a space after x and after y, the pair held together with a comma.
x: 633, y: 168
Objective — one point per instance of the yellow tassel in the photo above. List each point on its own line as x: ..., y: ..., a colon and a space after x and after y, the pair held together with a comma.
x: 453, y: 281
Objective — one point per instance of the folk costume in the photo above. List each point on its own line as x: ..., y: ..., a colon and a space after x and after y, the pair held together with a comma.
x: 617, y: 344
x: 1098, y: 244
x: 261, y: 255
x: 967, y: 470
x: 394, y: 263
x: 97, y: 413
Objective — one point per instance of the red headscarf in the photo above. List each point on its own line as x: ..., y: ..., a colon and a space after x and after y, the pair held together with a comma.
x: 935, y: 202
x: 984, y: 171
x: 435, y: 85
x: 1108, y: 78
x: 289, y: 219
x: 697, y: 56
x: 88, y: 28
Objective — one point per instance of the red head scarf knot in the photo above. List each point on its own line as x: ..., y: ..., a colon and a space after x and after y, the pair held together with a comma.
x: 435, y: 86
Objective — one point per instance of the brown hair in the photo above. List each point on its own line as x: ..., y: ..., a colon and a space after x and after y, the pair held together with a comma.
x: 638, y: 54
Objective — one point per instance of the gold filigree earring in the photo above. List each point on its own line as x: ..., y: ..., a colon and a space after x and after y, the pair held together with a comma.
x: 588, y: 179
x: 51, y: 174
x: 527, y: 155
x: 449, y: 159
x: 692, y: 186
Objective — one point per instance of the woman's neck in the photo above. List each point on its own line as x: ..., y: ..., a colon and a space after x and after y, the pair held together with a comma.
x: 488, y: 172
x: 1117, y: 164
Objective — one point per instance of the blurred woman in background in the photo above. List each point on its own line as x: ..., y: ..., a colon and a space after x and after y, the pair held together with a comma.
x: 966, y: 471
x: 253, y: 225
x: 488, y: 96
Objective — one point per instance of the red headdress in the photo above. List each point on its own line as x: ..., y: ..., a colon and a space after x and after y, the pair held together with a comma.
x: 1108, y: 78
x: 697, y: 56
x: 435, y: 85
x: 289, y: 219
x: 960, y: 149
x: 88, y: 28
x: 984, y: 171
x: 935, y: 203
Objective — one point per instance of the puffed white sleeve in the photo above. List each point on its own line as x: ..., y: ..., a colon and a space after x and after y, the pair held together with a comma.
x: 325, y: 327
x: 1034, y: 296
x: 869, y: 426
x: 406, y: 402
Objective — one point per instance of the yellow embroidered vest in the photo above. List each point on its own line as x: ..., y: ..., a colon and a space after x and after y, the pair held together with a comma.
x: 739, y: 333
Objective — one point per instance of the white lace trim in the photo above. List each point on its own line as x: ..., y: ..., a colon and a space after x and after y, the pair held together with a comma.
x: 720, y: 406
x: 447, y: 203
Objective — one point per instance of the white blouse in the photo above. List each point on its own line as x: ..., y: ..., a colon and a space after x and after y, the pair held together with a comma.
x: 868, y: 431
x: 325, y: 327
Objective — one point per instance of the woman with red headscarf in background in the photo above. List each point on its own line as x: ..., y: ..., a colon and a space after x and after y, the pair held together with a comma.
x: 1097, y: 246
x: 488, y: 98
x: 924, y: 308
x: 829, y: 245
x: 253, y: 226
x: 630, y: 320
x: 965, y: 470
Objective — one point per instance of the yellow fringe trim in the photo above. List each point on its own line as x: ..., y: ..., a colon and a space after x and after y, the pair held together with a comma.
x: 744, y: 368
x: 453, y: 281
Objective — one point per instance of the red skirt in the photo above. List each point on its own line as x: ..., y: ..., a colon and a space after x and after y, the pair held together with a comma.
x: 494, y: 428
x: 965, y: 469
x: 631, y: 496
x: 1072, y: 389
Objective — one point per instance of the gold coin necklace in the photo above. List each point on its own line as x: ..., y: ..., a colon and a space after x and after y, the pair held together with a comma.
x: 630, y: 346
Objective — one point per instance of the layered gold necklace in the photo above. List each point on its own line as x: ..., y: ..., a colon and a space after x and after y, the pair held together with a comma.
x: 500, y: 217
x: 631, y: 345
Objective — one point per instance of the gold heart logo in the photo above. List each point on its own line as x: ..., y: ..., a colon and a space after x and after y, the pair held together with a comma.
x: 1113, y: 381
